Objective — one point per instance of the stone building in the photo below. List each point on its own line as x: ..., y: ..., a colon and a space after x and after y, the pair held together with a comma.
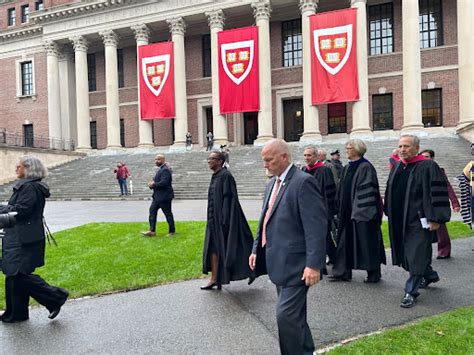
x: 68, y: 70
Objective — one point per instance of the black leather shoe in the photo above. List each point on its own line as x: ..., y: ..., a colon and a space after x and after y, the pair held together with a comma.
x: 426, y: 282
x: 334, y: 278
x: 408, y: 301
x: 372, y: 280
x: 211, y: 286
x: 14, y: 320
x: 443, y: 257
x: 54, y: 313
x: 251, y: 279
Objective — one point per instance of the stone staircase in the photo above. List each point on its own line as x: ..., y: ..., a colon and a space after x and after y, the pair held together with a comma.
x: 92, y: 177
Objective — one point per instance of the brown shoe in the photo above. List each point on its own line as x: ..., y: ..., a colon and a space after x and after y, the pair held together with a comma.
x: 148, y: 234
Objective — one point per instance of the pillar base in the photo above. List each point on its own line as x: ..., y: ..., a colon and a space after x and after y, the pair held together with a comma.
x: 466, y: 130
x: 220, y: 141
x: 146, y: 145
x: 261, y: 140
x: 178, y: 147
x: 83, y: 149
x: 311, y: 137
x: 362, y: 133
x: 417, y: 129
x: 114, y: 147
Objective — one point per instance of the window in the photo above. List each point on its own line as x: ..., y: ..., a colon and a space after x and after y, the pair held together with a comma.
x: 25, y: 11
x: 91, y: 72
x: 337, y: 122
x: 431, y: 23
x: 26, y: 78
x: 292, y: 42
x: 431, y: 107
x: 382, y: 112
x: 39, y: 5
x: 122, y: 132
x: 381, y: 28
x: 11, y: 17
x: 121, y: 81
x: 93, y: 126
x: 206, y: 56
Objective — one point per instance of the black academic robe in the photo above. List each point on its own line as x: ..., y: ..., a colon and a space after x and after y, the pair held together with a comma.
x: 359, y: 242
x: 426, y: 195
x: 327, y: 186
x: 228, y: 234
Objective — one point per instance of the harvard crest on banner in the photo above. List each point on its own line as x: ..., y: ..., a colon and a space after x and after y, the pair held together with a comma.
x: 333, y: 57
x: 156, y: 73
x: 238, y: 70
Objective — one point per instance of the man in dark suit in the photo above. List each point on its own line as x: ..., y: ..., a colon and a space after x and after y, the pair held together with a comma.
x: 290, y: 243
x: 162, y: 195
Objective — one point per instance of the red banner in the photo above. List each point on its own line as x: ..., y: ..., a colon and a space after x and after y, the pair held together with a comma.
x: 238, y: 70
x: 333, y: 57
x: 156, y: 72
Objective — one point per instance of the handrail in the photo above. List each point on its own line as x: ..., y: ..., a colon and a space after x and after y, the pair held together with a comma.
x: 15, y: 139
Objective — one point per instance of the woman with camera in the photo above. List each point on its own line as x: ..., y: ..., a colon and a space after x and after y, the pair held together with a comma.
x: 23, y: 246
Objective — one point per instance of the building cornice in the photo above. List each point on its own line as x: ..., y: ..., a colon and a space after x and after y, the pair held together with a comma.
x: 79, y: 9
x: 21, y: 33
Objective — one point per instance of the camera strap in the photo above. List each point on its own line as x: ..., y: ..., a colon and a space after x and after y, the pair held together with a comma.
x: 48, y: 234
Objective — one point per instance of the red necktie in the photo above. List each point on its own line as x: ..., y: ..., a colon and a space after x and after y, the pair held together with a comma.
x: 276, y: 189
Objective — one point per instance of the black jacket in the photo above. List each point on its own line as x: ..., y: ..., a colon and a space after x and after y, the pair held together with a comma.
x: 23, y: 244
x: 163, y: 191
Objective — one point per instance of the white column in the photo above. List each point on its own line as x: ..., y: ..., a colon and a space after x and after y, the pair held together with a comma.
x: 465, y: 13
x: 67, y: 87
x: 82, y: 93
x: 110, y: 39
x: 54, y: 97
x: 412, y: 119
x: 178, y: 28
x: 145, y: 127
x: 219, y: 122
x: 360, y: 109
x: 311, y: 113
x: 261, y: 11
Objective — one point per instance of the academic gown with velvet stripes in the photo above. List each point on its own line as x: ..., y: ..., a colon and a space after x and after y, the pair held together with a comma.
x: 360, y: 244
x: 426, y: 194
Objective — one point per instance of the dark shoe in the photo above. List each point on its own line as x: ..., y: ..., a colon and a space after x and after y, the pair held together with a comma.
x: 251, y: 279
x: 372, y: 280
x: 443, y: 257
x: 426, y: 282
x: 54, y: 313
x: 373, y: 276
x: 171, y: 234
x: 211, y: 286
x: 324, y: 271
x: 408, y: 301
x: 14, y: 320
x: 148, y: 234
x: 334, y: 278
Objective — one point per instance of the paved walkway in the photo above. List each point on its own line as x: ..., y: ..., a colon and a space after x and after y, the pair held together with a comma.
x: 181, y: 319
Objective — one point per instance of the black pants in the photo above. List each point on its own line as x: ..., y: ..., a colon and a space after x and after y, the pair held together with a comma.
x: 413, y: 283
x: 166, y: 208
x: 293, y: 330
x: 20, y: 287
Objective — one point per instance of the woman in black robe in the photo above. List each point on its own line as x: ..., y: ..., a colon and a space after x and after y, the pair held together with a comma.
x: 359, y: 243
x: 228, y: 242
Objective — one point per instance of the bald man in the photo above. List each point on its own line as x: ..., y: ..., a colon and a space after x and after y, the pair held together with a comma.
x: 163, y: 194
x: 290, y: 244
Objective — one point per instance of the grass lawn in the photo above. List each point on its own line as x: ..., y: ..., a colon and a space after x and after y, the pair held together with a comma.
x: 448, y: 333
x: 105, y: 257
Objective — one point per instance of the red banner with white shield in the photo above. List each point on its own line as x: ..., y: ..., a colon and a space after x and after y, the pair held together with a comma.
x: 156, y: 72
x: 333, y: 57
x: 238, y: 70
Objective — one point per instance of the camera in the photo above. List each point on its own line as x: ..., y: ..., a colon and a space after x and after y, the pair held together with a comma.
x: 7, y: 220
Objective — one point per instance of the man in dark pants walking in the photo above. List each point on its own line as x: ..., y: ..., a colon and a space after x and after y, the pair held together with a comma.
x: 416, y: 203
x: 290, y: 243
x: 162, y: 195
